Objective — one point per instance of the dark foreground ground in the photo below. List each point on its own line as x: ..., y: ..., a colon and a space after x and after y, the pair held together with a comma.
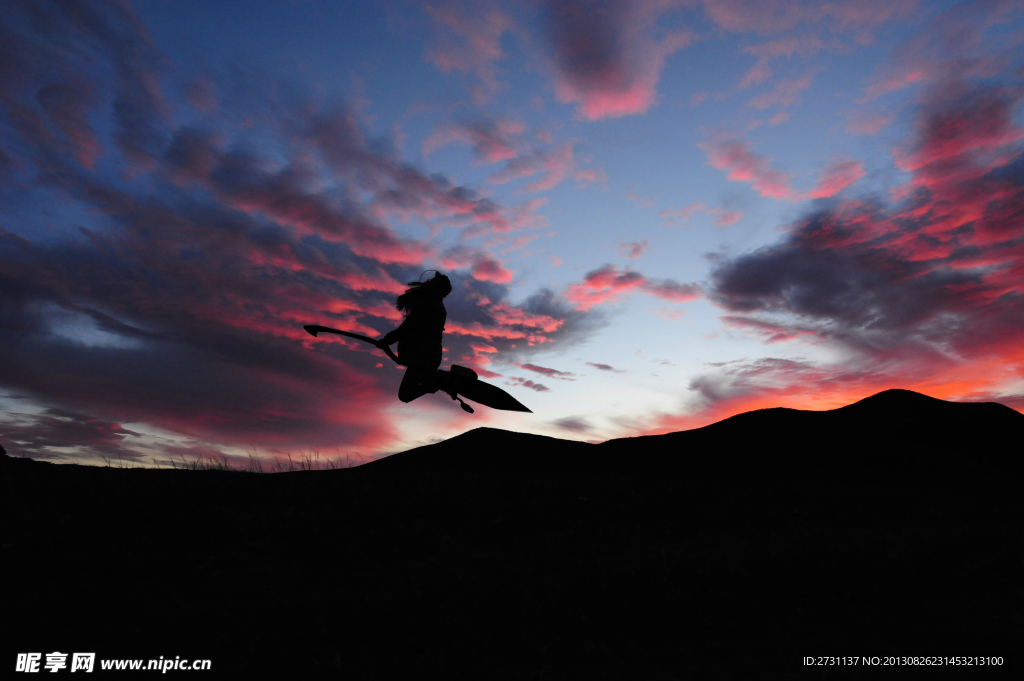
x: 729, y: 555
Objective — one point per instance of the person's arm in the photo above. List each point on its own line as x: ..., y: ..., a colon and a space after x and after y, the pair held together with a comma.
x: 393, y: 337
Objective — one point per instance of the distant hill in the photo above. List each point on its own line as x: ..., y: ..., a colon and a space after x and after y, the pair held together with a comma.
x: 895, y: 432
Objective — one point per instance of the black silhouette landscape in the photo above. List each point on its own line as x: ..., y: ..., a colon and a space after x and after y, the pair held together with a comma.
x: 887, y: 527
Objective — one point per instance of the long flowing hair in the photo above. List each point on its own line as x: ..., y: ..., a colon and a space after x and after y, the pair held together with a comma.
x: 438, y: 286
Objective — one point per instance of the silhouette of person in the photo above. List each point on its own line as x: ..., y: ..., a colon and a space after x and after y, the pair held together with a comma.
x: 419, y: 336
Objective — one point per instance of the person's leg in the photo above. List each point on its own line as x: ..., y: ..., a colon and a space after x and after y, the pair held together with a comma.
x: 416, y: 384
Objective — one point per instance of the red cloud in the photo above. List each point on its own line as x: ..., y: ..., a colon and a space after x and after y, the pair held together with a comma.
x: 608, y: 56
x: 607, y: 284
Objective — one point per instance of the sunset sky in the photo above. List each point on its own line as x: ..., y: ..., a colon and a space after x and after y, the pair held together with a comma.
x: 655, y: 214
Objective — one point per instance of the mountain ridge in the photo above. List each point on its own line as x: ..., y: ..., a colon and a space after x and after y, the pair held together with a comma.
x: 898, y: 430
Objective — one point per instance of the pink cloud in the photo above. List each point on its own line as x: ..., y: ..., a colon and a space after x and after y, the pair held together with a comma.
x: 201, y: 95
x: 511, y: 324
x: 761, y: 16
x: 720, y: 217
x: 491, y: 141
x: 642, y: 201
x: 864, y: 13
x: 520, y: 241
x: 867, y: 123
x: 594, y: 175
x: 805, y: 46
x: 633, y: 249
x: 608, y: 56
x: 490, y: 269
x: 525, y: 383
x: 734, y: 156
x: 666, y: 313
x: 550, y: 373
x: 554, y: 165
x: 605, y: 367
x: 776, y: 16
x: 469, y: 40
x: 480, y: 330
x: 952, y: 46
x: 67, y: 106
x: 482, y: 266
x: 836, y: 177
x: 507, y: 315
x: 772, y: 333
x: 777, y: 119
x: 783, y: 94
x: 479, y: 360
x: 723, y: 218
x: 682, y: 215
x: 603, y: 285
x: 945, y: 133
x: 758, y: 73
x: 670, y: 290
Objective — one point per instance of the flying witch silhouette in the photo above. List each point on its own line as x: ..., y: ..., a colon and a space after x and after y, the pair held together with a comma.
x: 420, y: 349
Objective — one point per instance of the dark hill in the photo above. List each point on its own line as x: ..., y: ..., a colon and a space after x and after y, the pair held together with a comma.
x: 895, y: 432
x: 488, y: 450
x: 734, y: 551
